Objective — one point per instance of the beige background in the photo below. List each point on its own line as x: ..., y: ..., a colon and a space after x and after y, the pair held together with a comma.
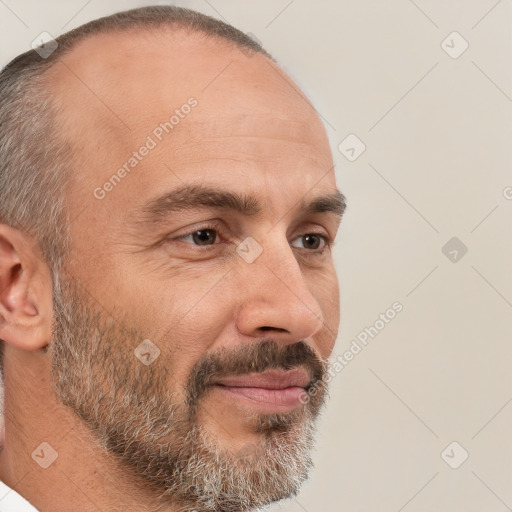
x: 438, y: 136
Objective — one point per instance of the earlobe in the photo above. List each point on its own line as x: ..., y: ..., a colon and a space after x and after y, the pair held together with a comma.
x: 25, y: 291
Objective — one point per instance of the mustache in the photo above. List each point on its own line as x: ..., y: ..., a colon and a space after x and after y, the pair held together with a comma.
x: 253, y: 358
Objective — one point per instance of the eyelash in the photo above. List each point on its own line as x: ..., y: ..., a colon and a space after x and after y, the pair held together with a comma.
x: 328, y: 242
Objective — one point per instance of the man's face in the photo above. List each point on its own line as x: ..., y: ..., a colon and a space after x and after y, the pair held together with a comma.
x: 184, y: 345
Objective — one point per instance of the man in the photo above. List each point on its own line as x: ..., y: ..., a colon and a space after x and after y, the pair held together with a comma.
x: 168, y: 298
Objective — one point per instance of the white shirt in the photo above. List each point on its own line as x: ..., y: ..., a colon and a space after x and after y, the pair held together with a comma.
x: 11, y: 501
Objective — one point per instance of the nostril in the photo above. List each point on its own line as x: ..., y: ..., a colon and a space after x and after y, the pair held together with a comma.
x: 267, y: 328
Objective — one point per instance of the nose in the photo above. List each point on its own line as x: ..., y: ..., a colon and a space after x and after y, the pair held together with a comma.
x: 275, y: 297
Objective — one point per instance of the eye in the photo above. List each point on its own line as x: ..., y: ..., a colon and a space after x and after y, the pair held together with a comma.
x: 315, y: 242
x: 207, y: 236
x: 201, y: 237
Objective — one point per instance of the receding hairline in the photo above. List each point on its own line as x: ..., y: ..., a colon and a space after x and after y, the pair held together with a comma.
x: 145, y: 37
x: 142, y: 19
x: 185, y: 37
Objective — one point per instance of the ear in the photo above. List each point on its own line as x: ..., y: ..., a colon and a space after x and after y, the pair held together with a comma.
x: 26, y: 301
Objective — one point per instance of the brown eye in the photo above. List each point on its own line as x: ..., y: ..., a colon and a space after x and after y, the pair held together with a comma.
x: 313, y: 241
x: 201, y: 237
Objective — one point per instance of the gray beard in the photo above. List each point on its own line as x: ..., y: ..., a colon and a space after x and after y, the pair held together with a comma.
x: 130, y: 411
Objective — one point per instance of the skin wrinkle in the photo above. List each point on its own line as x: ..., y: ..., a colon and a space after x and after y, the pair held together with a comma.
x: 161, y: 436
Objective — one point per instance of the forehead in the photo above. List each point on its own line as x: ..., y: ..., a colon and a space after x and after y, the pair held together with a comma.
x: 200, y: 106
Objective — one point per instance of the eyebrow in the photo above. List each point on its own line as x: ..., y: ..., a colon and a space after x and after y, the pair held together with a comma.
x: 190, y: 197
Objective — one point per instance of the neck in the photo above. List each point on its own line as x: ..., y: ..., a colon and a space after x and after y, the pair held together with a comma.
x: 82, y: 476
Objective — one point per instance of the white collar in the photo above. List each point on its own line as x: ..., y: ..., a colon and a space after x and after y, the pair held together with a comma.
x: 11, y: 501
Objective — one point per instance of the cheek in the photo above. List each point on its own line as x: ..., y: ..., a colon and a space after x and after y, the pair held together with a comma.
x: 184, y: 316
x: 324, y: 286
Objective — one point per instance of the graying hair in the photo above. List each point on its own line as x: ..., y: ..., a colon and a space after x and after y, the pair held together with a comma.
x: 34, y: 160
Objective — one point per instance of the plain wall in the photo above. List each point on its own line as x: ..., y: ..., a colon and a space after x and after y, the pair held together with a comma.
x: 437, y: 127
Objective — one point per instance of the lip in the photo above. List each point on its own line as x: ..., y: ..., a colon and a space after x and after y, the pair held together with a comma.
x: 272, y: 391
x: 271, y: 379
